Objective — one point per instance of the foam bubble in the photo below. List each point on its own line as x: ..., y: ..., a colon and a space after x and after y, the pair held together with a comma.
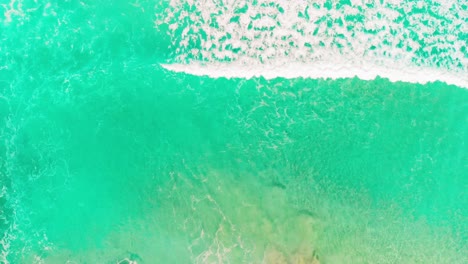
x: 364, y: 71
x: 408, y: 41
x: 14, y: 8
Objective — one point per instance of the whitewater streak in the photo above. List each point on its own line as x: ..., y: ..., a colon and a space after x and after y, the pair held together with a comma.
x: 411, y: 41
x: 319, y: 70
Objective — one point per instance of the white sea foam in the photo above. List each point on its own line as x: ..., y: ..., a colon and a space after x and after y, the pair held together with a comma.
x: 402, y: 40
x: 320, y: 70
x: 14, y: 8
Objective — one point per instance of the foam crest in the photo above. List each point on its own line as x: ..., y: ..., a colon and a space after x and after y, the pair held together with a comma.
x: 414, y: 41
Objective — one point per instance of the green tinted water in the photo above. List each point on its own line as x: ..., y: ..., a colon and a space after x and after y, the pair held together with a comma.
x: 106, y: 156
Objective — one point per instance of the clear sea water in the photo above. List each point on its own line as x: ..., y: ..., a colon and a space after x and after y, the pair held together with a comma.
x: 108, y: 157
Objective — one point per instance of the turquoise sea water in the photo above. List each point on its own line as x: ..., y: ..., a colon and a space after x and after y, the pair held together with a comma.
x: 107, y: 157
